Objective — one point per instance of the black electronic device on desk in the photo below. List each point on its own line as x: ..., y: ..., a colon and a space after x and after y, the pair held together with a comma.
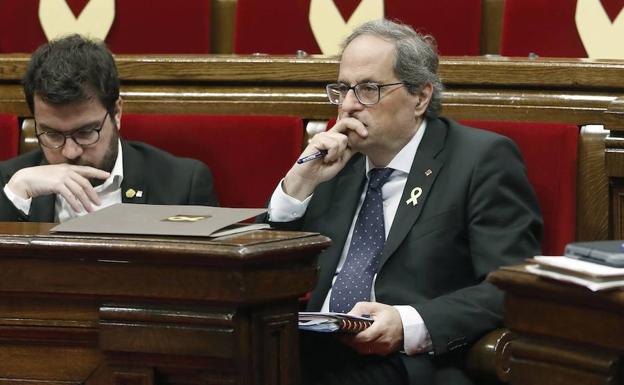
x: 610, y: 253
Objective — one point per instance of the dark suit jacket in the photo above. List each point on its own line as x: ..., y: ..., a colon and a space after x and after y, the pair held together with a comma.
x: 163, y: 178
x: 477, y: 212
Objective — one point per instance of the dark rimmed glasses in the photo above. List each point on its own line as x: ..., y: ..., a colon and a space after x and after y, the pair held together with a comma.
x: 366, y: 93
x: 82, y: 136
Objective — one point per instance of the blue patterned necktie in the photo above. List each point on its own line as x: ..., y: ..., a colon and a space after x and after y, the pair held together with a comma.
x: 354, y: 281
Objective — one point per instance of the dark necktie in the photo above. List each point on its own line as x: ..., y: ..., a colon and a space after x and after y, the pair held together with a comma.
x: 354, y: 281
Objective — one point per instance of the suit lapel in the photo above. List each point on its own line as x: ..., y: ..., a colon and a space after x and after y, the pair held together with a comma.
x: 133, y: 187
x: 425, y: 169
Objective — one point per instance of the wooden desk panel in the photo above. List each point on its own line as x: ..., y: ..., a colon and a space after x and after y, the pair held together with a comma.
x: 565, y: 334
x: 140, y: 310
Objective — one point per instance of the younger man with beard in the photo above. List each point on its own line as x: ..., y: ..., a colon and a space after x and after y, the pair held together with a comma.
x: 72, y: 89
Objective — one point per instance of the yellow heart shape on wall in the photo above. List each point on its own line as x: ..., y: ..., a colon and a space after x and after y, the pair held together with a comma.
x: 329, y: 27
x: 601, y: 37
x: 95, y: 20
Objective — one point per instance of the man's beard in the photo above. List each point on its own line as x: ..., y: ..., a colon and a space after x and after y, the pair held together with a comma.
x: 108, y: 161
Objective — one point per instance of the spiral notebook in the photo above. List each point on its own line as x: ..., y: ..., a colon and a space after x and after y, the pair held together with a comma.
x: 332, y: 322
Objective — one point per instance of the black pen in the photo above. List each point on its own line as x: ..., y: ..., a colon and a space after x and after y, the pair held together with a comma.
x: 316, y: 155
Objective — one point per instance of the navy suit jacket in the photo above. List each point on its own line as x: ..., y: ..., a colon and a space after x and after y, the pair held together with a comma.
x: 477, y: 212
x: 163, y: 178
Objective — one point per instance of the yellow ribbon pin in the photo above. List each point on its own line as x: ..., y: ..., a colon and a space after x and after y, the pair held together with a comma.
x: 414, y: 195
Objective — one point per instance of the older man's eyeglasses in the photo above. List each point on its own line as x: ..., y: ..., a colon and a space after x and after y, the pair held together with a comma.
x: 366, y: 93
x: 82, y: 136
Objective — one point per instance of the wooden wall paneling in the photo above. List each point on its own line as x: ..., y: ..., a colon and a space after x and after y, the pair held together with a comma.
x: 222, y: 26
x: 592, y: 192
x: 574, y: 91
x: 535, y: 360
x: 141, y: 310
x: 565, y: 334
x: 491, y: 23
x: 614, y: 158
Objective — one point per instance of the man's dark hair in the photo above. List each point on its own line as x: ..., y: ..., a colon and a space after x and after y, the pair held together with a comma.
x: 72, y: 69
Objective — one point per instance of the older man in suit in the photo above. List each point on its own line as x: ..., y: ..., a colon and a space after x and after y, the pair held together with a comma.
x: 72, y: 89
x: 420, y: 209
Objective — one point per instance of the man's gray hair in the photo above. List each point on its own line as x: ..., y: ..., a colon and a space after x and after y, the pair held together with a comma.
x: 416, y: 57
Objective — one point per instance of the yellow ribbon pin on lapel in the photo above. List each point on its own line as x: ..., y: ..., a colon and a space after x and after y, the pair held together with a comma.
x: 414, y: 195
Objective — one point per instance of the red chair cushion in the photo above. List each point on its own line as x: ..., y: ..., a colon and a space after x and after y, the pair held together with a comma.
x: 282, y: 26
x: 140, y: 26
x: 9, y: 132
x: 550, y: 152
x: 544, y: 27
x: 247, y: 155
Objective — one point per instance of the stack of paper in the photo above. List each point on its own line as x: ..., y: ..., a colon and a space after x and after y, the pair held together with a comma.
x: 593, y: 276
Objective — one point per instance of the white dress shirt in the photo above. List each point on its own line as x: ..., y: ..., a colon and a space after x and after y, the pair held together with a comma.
x: 109, y: 193
x: 284, y: 208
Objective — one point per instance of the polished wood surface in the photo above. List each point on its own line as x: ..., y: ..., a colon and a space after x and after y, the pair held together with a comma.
x: 494, y: 88
x: 83, y: 309
x: 564, y: 334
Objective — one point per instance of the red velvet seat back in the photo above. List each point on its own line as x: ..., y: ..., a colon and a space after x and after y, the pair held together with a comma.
x: 9, y: 136
x: 140, y: 26
x: 548, y: 27
x: 283, y: 27
x: 550, y: 154
x: 247, y: 155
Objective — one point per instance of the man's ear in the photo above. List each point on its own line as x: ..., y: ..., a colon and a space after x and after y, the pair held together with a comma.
x: 118, y: 111
x: 424, y: 98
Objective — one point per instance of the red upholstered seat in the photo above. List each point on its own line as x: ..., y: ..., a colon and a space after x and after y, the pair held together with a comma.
x: 283, y: 27
x: 140, y: 26
x: 547, y: 27
x: 9, y: 134
x: 247, y: 155
x: 549, y: 152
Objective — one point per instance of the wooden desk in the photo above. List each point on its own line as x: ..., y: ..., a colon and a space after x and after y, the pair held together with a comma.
x: 565, y: 334
x: 129, y: 310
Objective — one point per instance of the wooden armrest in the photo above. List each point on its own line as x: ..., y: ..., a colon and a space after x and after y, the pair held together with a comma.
x: 488, y: 358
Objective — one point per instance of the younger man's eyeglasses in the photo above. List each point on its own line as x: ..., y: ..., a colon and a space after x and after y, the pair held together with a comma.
x: 82, y: 136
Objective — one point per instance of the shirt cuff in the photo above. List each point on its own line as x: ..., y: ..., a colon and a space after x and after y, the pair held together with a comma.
x: 20, y: 203
x: 416, y: 338
x: 284, y: 208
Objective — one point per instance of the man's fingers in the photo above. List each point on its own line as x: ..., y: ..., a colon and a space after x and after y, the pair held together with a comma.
x: 73, y: 201
x: 90, y: 172
x: 80, y: 194
x: 346, y: 124
x: 87, y: 188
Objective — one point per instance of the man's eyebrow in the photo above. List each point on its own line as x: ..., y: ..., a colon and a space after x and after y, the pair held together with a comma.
x: 365, y: 80
x: 89, y: 125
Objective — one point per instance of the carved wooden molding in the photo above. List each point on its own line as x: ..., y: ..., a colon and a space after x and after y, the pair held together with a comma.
x: 496, y: 88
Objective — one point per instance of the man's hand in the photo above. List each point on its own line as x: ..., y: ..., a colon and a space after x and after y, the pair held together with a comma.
x: 384, y: 336
x: 302, y: 179
x: 70, y: 181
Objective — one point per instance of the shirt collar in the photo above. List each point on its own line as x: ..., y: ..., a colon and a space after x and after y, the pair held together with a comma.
x: 403, y: 160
